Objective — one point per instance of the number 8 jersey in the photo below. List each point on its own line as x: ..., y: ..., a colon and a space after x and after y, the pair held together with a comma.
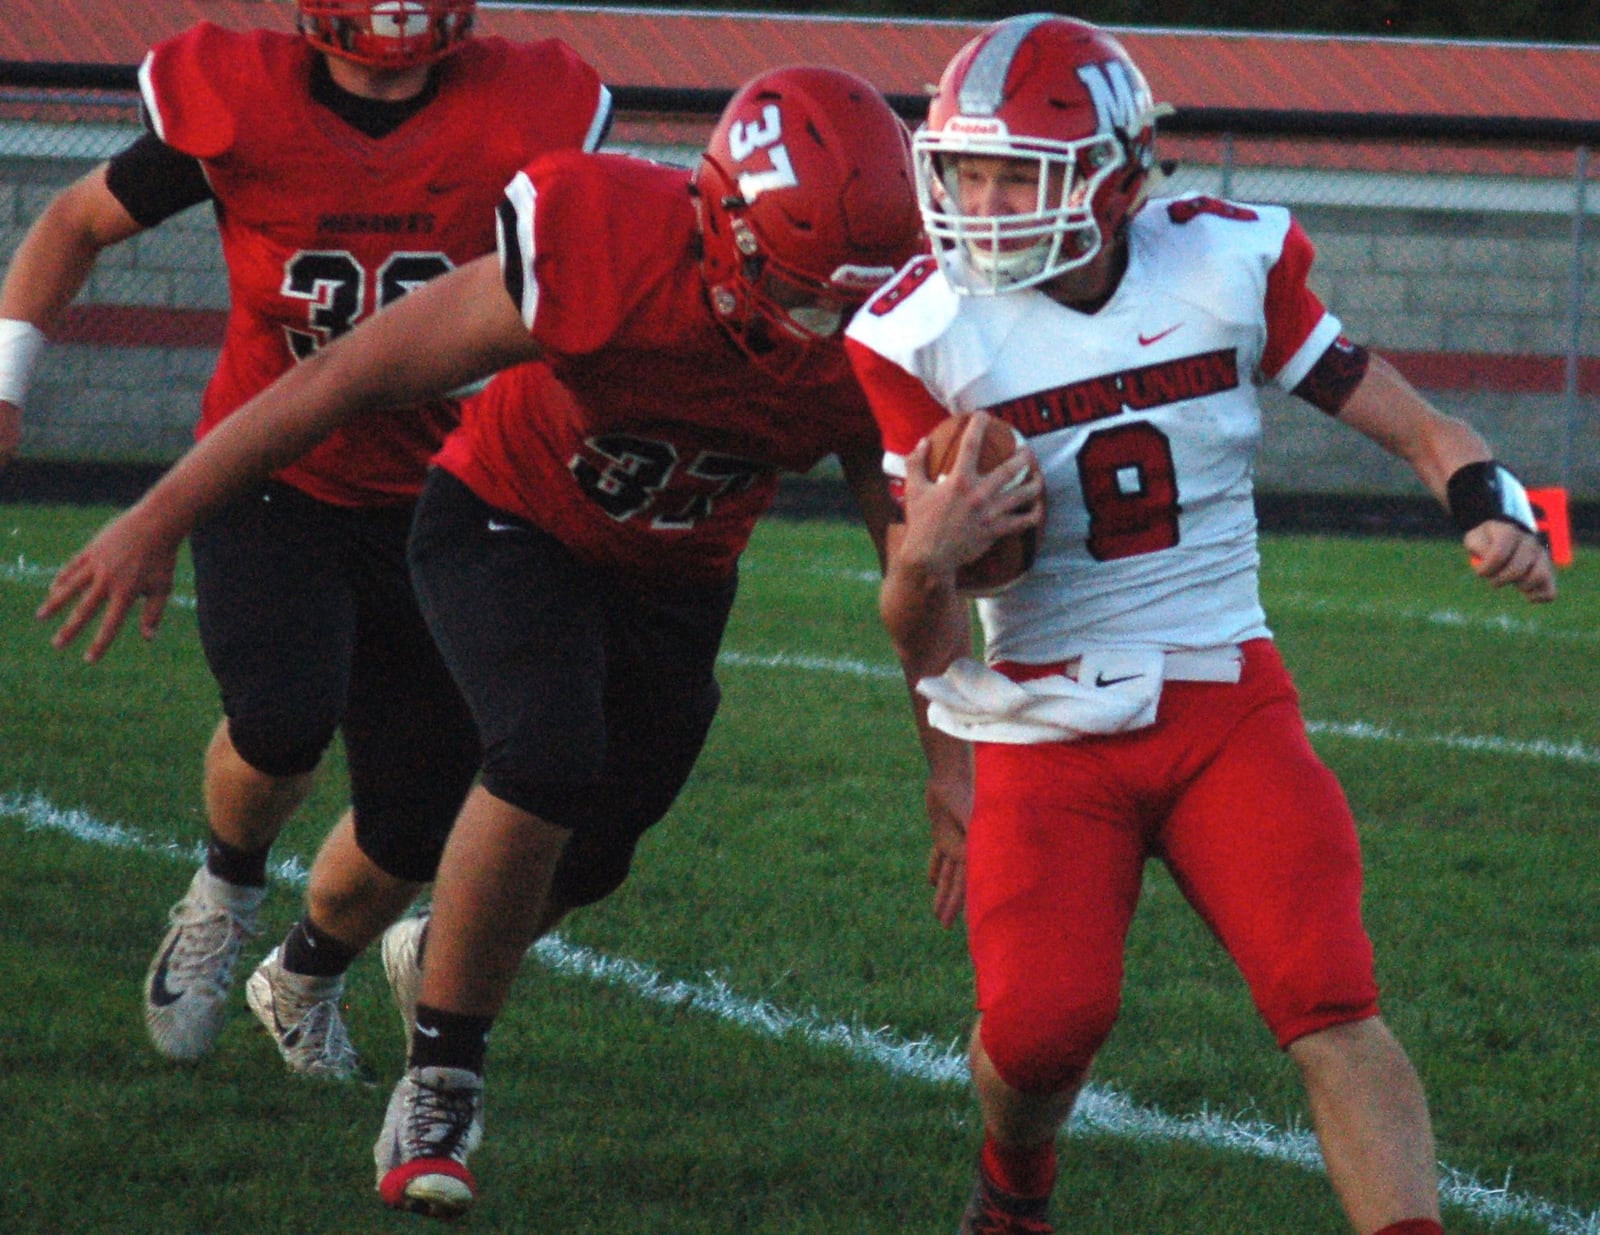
x: 1143, y: 415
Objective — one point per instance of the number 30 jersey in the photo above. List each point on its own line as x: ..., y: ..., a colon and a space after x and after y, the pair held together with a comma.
x: 1143, y: 415
x: 322, y: 225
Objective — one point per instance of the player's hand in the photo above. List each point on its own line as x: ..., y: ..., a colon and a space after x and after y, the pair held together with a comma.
x: 948, y: 809
x: 128, y: 561
x: 1507, y: 555
x: 955, y: 520
x: 10, y: 432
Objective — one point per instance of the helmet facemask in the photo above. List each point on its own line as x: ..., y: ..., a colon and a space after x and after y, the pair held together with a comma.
x: 775, y: 314
x: 987, y: 254
x: 1062, y: 102
x: 387, y: 34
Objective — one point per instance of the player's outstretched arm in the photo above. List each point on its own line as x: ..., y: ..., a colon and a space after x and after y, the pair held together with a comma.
x: 1457, y: 466
x: 10, y: 431
x: 131, y: 561
x: 453, y: 331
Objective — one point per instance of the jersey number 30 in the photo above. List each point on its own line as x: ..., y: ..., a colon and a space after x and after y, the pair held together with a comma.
x: 335, y: 286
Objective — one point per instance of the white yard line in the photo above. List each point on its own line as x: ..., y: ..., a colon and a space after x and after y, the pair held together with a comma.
x: 1560, y: 749
x: 1563, y: 750
x: 20, y: 570
x: 1488, y: 624
x: 1101, y: 1110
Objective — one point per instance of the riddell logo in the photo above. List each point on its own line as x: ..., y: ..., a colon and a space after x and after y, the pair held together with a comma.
x: 973, y: 126
x: 861, y: 278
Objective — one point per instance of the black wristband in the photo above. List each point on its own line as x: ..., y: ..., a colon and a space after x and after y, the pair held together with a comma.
x: 1478, y: 492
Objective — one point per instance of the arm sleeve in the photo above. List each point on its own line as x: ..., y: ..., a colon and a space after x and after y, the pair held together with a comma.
x: 600, y: 129
x: 154, y: 182
x: 568, y: 258
x: 184, y: 87
x: 574, y: 108
x: 1335, y: 376
x: 1299, y: 328
x: 901, y: 404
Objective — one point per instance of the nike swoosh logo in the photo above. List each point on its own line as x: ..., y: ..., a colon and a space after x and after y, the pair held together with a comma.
x: 1145, y: 340
x: 498, y: 525
x: 426, y: 1032
x: 1101, y: 679
x: 161, y: 994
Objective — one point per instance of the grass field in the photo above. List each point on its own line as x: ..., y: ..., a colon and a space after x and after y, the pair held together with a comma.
x: 759, y: 1033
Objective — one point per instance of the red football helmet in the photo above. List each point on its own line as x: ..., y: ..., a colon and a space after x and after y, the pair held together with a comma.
x: 387, y: 34
x: 1060, y: 93
x: 806, y: 208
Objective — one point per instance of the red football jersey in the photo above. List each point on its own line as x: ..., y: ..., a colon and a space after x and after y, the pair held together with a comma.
x: 322, y: 225
x: 662, y: 444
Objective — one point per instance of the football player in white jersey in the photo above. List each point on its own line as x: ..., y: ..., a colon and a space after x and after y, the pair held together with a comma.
x: 1132, y: 704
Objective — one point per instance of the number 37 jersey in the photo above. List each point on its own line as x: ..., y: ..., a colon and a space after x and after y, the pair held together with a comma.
x: 1143, y: 415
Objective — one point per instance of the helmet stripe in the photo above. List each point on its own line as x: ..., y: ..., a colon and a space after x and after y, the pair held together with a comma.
x: 984, y: 87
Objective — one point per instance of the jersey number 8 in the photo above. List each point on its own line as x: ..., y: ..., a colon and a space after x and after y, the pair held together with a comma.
x: 1130, y: 489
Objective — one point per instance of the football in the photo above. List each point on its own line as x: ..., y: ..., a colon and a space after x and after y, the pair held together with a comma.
x: 1010, y: 557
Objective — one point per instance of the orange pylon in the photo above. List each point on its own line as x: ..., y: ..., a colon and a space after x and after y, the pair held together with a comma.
x: 1550, y: 517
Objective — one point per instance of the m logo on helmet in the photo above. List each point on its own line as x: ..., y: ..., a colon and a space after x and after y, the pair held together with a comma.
x: 748, y: 136
x: 1119, y: 103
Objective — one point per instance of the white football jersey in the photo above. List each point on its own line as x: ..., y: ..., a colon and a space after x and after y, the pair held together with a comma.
x: 1143, y: 415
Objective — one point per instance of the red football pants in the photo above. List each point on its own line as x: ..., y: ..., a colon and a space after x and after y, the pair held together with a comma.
x: 1226, y: 790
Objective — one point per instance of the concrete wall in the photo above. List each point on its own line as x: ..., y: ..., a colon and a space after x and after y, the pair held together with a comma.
x: 1412, y: 281
x: 118, y: 403
x: 1433, y: 276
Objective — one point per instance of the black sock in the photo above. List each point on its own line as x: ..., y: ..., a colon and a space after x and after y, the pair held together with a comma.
x: 449, y: 1040
x: 311, y: 951
x: 244, y: 868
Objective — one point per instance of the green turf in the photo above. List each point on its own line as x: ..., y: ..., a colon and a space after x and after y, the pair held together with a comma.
x: 791, y: 875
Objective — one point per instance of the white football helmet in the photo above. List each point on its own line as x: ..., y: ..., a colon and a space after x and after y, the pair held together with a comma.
x: 1064, y: 95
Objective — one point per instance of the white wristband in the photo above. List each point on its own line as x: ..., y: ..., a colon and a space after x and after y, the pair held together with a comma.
x: 20, y: 345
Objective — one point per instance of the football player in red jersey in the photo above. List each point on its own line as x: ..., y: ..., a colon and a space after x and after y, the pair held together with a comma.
x: 346, y: 165
x: 575, y: 549
x: 1133, y: 705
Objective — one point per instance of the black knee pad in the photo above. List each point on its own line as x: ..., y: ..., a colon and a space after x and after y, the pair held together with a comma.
x: 592, y: 867
x: 401, y: 847
x: 280, y: 745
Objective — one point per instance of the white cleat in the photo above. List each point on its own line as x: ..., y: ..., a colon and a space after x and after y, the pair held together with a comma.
x: 402, y: 965
x: 434, y: 1120
x: 302, y: 1015
x: 186, y: 987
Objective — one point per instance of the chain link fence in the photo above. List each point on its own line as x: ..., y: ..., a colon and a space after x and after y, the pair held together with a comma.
x: 1458, y: 249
